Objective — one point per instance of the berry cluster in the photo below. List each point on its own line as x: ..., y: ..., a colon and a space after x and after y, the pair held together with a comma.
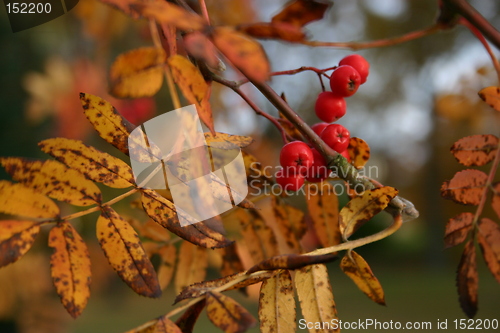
x: 299, y: 161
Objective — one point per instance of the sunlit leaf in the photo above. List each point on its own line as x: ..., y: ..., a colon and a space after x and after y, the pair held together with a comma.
x: 94, y: 164
x: 227, y: 141
x: 315, y: 295
x: 16, y: 199
x: 491, y: 95
x: 355, y: 267
x: 277, y: 304
x: 188, y: 319
x: 191, y: 266
x: 125, y: 253
x: 291, y: 261
x: 359, y: 152
x: 457, y: 229
x: 245, y: 53
x: 301, y: 12
x: 495, y: 200
x: 274, y: 30
x: 228, y: 315
x: 489, y: 241
x: 467, y: 280
x: 475, y: 150
x: 159, y: 325
x: 288, y: 220
x: 361, y: 209
x: 16, y: 238
x: 70, y: 267
x: 466, y: 187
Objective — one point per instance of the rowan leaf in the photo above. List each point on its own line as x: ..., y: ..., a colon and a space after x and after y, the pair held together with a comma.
x: 259, y: 237
x: 495, y: 200
x: 159, y: 325
x: 288, y: 223
x: 315, y: 295
x: 125, y: 253
x: 245, y: 53
x: 291, y: 261
x: 53, y: 179
x: 153, y: 231
x: 168, y: 13
x: 163, y: 212
x: 70, y: 267
x: 227, y: 314
x: 467, y: 280
x: 466, y: 187
x: 200, y: 47
x: 257, y: 176
x: 94, y: 164
x: 226, y: 141
x: 323, y: 206
x: 475, y: 150
x: 191, y: 266
x: 274, y: 30
x: 301, y: 12
x: 188, y: 319
x: 491, y: 95
x: 359, y: 152
x: 231, y: 261
x: 457, y: 229
x: 489, y: 242
x: 356, y: 268
x: 277, y: 304
x: 17, y: 199
x: 166, y: 268
x: 361, y: 209
x: 16, y: 238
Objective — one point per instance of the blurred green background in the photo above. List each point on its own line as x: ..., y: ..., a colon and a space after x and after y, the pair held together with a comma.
x: 419, y: 99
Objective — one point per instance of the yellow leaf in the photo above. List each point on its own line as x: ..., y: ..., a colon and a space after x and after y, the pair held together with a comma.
x: 227, y: 141
x: 276, y: 304
x: 17, y: 199
x: 359, y: 152
x: 53, y: 179
x: 231, y: 261
x: 491, y: 95
x: 323, y: 206
x: 16, y: 238
x: 361, y: 209
x: 125, y: 253
x: 167, y: 265
x: 355, y: 267
x: 289, y: 223
x: 70, y: 267
x: 315, y: 296
x: 228, y: 315
x: 159, y: 325
x: 94, y: 164
x: 244, y: 52
x: 191, y: 267
x: 137, y: 73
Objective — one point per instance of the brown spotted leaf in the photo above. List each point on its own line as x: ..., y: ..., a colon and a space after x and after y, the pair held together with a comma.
x: 289, y: 223
x: 315, y: 295
x: 227, y: 141
x: 16, y: 199
x: 466, y: 187
x: 291, y: 261
x: 16, y: 238
x: 475, y: 150
x: 495, y: 200
x: 277, y: 304
x: 70, y: 267
x: 301, y: 12
x: 188, y: 319
x: 53, y: 179
x: 191, y: 265
x: 467, y: 280
x: 489, y: 241
x: 228, y: 315
x: 457, y: 229
x: 361, y: 209
x: 231, y: 261
x: 125, y: 253
x: 323, y: 206
x: 245, y: 53
x: 359, y: 152
x: 94, y: 164
x: 491, y: 95
x: 274, y: 30
x: 159, y: 325
x: 355, y: 267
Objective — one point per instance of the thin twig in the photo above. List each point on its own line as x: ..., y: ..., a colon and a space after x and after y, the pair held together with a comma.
x: 318, y: 71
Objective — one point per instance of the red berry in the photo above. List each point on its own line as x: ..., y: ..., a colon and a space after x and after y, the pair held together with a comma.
x: 329, y: 107
x: 319, y: 171
x: 345, y: 153
x: 337, y: 137
x: 289, y: 181
x: 319, y: 127
x: 296, y: 156
x: 345, y: 81
x: 358, y: 63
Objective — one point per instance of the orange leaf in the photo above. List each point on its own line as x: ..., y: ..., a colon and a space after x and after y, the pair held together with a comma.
x: 301, y: 12
x: 200, y: 47
x: 188, y: 319
x: 70, y: 267
x: 16, y: 238
x: 491, y: 95
x: 288, y: 220
x: 167, y: 265
x: 489, y: 241
x: 125, y: 253
x: 228, y: 315
x: 16, y: 199
x: 245, y: 53
x: 159, y: 325
x: 457, y: 229
x: 359, y: 152
x: 226, y: 141
x: 466, y: 187
x: 467, y: 280
x: 191, y: 266
x: 275, y: 30
x: 495, y: 200
x: 475, y: 150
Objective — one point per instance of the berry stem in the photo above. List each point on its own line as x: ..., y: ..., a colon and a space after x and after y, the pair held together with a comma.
x: 320, y: 72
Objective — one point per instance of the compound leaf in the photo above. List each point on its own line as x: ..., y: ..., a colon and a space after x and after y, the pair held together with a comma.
x: 16, y: 199
x: 491, y: 95
x: 489, y: 242
x: 466, y: 187
x: 475, y: 150
x: 467, y: 280
x: 227, y: 314
x: 191, y: 266
x: 16, y: 238
x: 457, y: 229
